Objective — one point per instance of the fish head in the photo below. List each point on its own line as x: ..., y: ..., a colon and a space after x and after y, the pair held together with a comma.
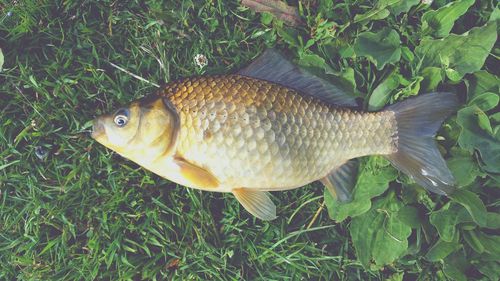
x: 142, y: 131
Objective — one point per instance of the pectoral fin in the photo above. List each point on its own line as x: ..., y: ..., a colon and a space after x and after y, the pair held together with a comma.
x: 341, y: 181
x: 256, y: 203
x: 197, y: 176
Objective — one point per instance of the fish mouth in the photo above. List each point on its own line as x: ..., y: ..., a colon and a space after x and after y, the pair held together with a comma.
x: 97, y: 129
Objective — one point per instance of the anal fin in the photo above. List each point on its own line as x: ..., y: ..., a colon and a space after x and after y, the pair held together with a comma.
x: 256, y: 203
x: 195, y: 175
x: 340, y: 182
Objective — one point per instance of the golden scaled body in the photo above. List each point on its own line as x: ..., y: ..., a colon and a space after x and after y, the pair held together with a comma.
x: 273, y: 127
x: 251, y: 133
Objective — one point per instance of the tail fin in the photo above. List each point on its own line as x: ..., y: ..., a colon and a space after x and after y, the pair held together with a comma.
x: 418, y: 119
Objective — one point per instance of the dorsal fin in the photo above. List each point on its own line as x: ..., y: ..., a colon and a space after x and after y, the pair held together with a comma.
x: 273, y: 67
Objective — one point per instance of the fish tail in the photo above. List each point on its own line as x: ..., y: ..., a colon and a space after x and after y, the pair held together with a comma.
x: 418, y: 120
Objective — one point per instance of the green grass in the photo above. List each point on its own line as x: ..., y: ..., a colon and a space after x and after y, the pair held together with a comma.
x: 82, y: 212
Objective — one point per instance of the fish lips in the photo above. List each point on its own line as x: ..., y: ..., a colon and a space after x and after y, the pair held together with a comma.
x: 98, y: 129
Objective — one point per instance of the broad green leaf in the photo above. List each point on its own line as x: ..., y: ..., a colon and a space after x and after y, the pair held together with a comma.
x: 490, y: 269
x: 470, y: 236
x: 495, y: 15
x: 383, y: 8
x: 493, y: 220
x: 453, y: 75
x: 495, y: 117
x: 1, y: 59
x: 382, y: 93
x: 374, y: 177
x: 485, y: 101
x: 391, y: 241
x: 347, y: 75
x: 311, y: 59
x: 343, y: 79
x: 491, y: 244
x: 473, y: 204
x: 382, y: 47
x: 379, y: 11
x: 455, y: 266
x: 464, y: 168
x: 432, y: 78
x: 441, y: 250
x: 472, y: 137
x: 347, y: 52
x: 409, y: 216
x: 402, y: 6
x: 379, y: 235
x: 464, y: 53
x: 440, y: 22
x: 482, y: 82
x: 407, y: 54
x: 266, y: 18
x: 375, y: 14
x: 339, y: 47
x: 290, y: 36
x: 484, y: 122
x: 446, y: 219
x: 411, y: 88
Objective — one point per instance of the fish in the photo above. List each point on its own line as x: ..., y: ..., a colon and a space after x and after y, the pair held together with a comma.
x: 273, y: 126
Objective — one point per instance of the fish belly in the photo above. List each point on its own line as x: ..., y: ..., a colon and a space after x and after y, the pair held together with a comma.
x: 255, y: 134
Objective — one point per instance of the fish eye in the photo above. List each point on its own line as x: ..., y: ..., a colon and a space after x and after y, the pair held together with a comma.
x: 121, y: 117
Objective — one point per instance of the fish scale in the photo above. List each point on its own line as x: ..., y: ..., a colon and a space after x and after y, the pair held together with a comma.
x: 251, y: 133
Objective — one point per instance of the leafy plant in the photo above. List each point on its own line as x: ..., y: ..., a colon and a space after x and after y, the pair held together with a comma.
x: 379, y: 231
x: 388, y: 222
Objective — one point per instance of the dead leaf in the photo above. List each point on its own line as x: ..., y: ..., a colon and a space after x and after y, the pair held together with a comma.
x: 173, y: 264
x: 279, y: 9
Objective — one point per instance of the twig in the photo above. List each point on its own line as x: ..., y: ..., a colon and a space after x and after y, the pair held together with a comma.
x: 316, y: 215
x: 134, y: 75
x: 162, y: 66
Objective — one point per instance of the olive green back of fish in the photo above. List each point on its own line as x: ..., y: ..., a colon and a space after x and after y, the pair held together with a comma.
x: 251, y: 133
